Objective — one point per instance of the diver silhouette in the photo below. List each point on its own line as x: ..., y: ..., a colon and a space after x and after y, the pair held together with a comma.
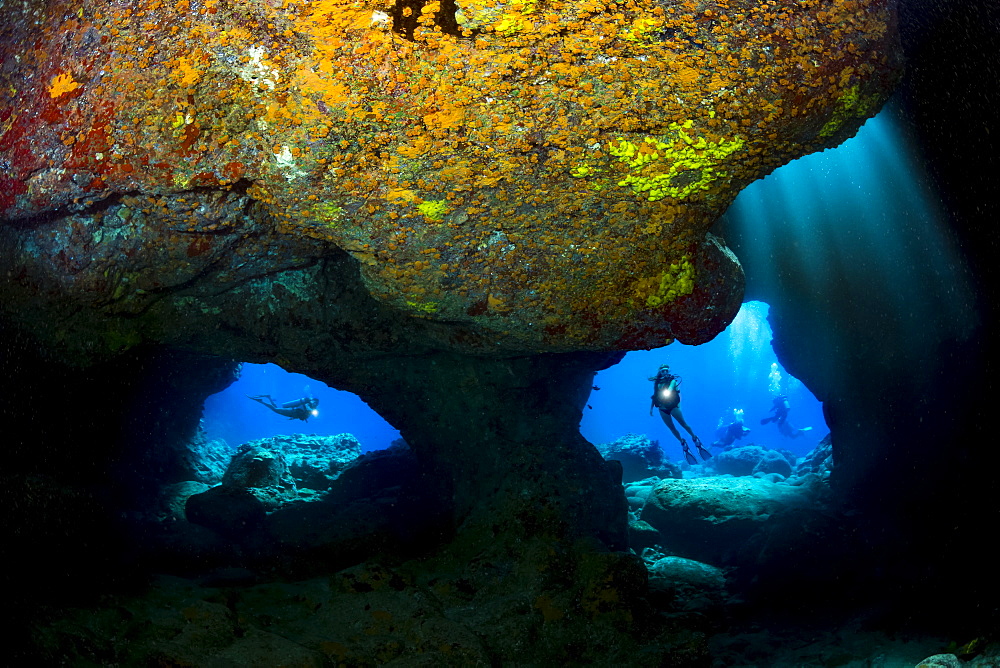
x: 300, y: 409
x: 667, y: 398
x: 727, y: 434
x: 781, y: 409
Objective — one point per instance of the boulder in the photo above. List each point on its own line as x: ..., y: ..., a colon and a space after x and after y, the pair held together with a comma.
x: 690, y: 585
x: 941, y: 661
x: 710, y: 519
x: 232, y: 512
x: 206, y: 458
x: 173, y: 499
x: 640, y: 457
x: 314, y: 460
x: 263, y: 472
x: 372, y: 473
x: 751, y: 460
x: 642, y: 535
x: 637, y: 492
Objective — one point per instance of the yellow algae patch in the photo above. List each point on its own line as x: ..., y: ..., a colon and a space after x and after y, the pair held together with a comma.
x: 515, y: 20
x: 423, y: 307
x: 401, y: 195
x: 687, y: 77
x: 433, y: 209
x: 329, y: 20
x: 496, y: 304
x: 675, y: 281
x: 376, y: 82
x: 332, y: 93
x: 449, y: 117
x: 850, y: 105
x: 643, y: 29
x: 677, y: 166
x: 62, y: 84
x: 327, y: 214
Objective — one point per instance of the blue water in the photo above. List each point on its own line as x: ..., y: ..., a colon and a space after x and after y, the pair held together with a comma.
x: 732, y: 371
x: 736, y: 370
x: 231, y: 416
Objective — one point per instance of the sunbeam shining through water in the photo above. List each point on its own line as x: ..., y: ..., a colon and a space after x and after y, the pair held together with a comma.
x: 859, y: 224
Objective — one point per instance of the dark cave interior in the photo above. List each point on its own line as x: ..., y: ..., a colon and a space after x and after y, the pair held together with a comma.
x: 916, y: 470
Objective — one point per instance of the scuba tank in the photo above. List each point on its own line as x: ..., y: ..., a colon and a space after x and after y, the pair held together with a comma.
x: 298, y: 403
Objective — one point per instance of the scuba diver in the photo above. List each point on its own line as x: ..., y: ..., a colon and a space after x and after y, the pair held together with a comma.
x: 781, y: 409
x: 667, y: 398
x: 727, y: 434
x: 300, y: 409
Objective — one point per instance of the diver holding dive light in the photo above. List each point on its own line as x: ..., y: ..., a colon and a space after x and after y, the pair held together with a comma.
x: 667, y: 398
x: 300, y: 409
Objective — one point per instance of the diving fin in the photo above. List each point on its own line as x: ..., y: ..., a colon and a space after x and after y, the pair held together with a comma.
x: 705, y: 454
x: 688, y: 456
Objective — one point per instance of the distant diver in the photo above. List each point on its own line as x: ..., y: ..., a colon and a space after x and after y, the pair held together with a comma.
x: 300, y: 409
x: 781, y: 409
x: 667, y: 398
x: 727, y: 434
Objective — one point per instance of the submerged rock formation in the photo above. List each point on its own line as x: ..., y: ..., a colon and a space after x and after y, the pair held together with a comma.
x: 457, y: 210
x: 640, y: 457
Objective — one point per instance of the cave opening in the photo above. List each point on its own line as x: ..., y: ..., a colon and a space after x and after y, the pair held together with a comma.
x: 232, y: 416
x: 736, y: 371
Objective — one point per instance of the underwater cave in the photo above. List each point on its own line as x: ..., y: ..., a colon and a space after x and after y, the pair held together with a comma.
x: 230, y: 415
x: 469, y: 240
x: 734, y: 376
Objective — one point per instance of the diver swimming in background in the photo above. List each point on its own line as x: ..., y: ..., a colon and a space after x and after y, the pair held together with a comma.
x: 667, y: 398
x: 300, y: 409
x: 781, y: 409
x: 727, y: 434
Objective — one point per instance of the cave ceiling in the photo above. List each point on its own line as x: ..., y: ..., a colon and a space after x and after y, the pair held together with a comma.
x: 293, y: 180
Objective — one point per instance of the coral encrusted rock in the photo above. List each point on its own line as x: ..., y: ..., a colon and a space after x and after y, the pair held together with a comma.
x: 512, y: 176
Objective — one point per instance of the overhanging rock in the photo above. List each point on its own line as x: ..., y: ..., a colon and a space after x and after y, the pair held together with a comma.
x: 483, y: 176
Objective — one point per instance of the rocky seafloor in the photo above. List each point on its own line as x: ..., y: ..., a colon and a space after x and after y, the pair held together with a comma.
x: 243, y: 559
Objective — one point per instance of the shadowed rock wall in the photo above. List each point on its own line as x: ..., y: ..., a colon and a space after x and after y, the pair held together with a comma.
x: 911, y: 404
x: 506, y: 433
x: 456, y: 210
